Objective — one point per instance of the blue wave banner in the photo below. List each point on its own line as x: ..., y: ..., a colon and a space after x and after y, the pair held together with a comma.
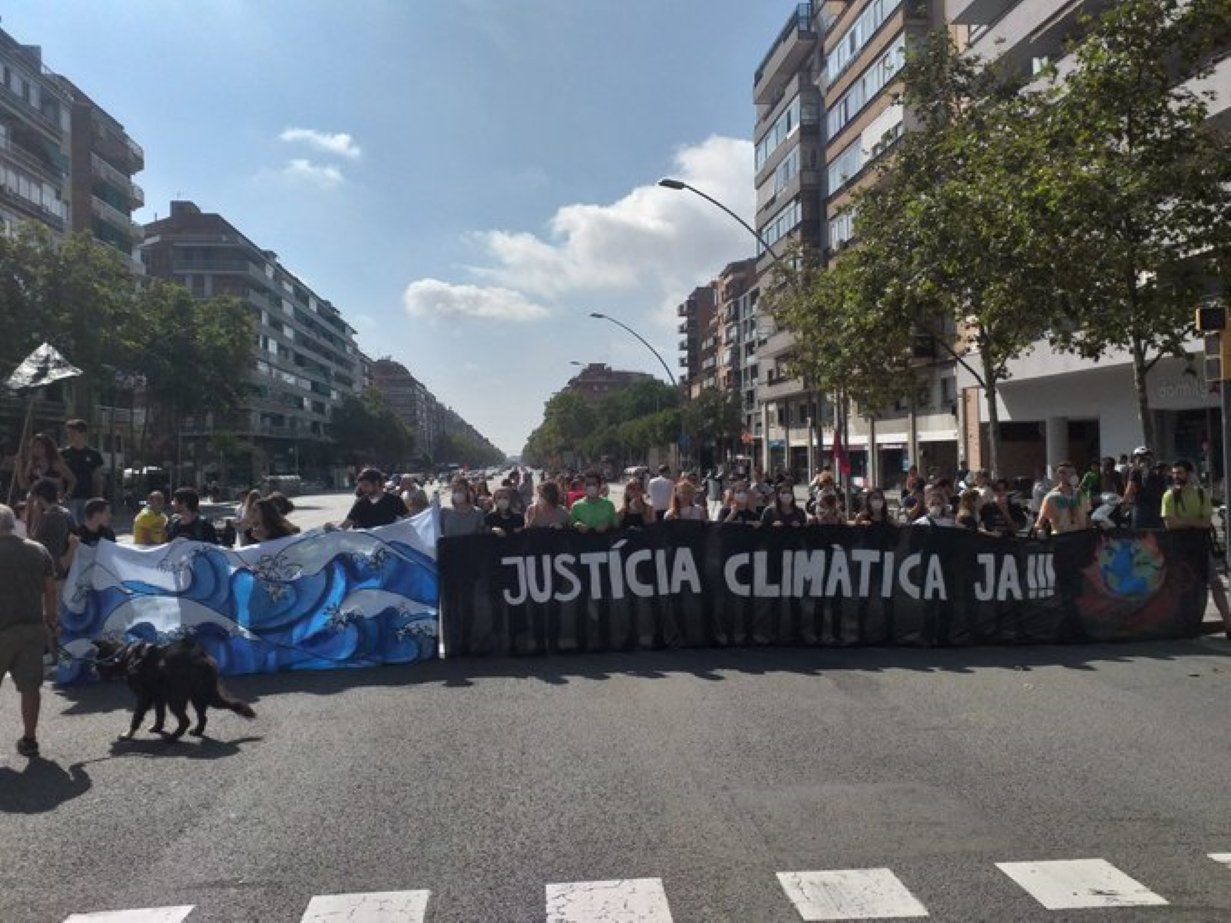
x: 320, y: 600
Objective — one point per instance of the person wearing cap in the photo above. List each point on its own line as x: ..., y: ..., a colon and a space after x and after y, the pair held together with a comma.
x: 1187, y: 506
x: 1144, y: 495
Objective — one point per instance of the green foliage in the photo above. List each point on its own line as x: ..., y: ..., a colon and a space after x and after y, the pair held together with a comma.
x: 1145, y: 192
x: 192, y: 352
x: 367, y: 432
x: 462, y: 449
x: 712, y: 417
x: 626, y: 424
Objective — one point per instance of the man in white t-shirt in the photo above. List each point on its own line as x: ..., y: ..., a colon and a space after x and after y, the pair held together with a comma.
x: 660, y: 489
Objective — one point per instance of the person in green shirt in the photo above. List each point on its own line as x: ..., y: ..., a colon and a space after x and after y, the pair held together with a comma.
x: 1187, y: 505
x: 593, y: 512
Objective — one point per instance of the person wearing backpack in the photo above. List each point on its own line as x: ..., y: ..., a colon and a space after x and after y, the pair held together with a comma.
x: 1187, y: 506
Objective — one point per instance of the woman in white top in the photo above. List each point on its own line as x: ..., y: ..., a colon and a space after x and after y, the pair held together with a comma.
x: 684, y: 504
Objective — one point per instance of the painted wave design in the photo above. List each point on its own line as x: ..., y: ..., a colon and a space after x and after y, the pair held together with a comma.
x: 324, y: 600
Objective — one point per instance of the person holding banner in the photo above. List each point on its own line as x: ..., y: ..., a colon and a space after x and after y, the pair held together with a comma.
x: 739, y: 508
x: 592, y: 512
x: 875, y: 510
x: 464, y: 518
x: 1064, y: 507
x: 546, y: 512
x: 635, y: 512
x: 373, y: 506
x: 504, y: 520
x: 784, y: 512
x: 684, y: 503
x: 1187, y: 506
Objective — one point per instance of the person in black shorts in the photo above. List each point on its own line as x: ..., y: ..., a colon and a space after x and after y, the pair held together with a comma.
x: 373, y: 506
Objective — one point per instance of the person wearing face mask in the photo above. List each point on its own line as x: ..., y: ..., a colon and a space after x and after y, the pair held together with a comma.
x: 875, y: 510
x: 828, y: 510
x: 938, y: 512
x: 373, y: 506
x: 739, y: 509
x: 592, y: 512
x: 1000, y: 517
x: 1187, y: 507
x: 463, y: 518
x: 784, y: 512
x: 1064, y: 507
x: 504, y: 520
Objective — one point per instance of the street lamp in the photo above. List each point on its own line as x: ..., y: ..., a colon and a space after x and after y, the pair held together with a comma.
x: 670, y: 378
x: 668, y: 183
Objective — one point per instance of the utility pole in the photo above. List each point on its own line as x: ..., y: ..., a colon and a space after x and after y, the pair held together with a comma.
x: 1212, y: 321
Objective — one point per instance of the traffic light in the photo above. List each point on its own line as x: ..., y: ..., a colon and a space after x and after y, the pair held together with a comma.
x: 1211, y: 319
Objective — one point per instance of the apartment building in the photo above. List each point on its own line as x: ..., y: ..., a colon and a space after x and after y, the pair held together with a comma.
x: 597, y: 380
x: 103, y: 162
x: 304, y: 358
x: 1057, y: 406
x: 789, y: 159
x: 739, y: 337
x: 35, y: 132
x: 696, y: 314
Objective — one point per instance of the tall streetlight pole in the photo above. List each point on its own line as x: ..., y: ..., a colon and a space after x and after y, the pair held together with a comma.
x: 668, y: 183
x: 663, y: 362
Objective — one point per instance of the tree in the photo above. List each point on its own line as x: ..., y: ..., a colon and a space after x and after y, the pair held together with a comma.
x: 1147, y: 185
x: 367, y: 431
x: 713, y: 417
x: 191, y: 352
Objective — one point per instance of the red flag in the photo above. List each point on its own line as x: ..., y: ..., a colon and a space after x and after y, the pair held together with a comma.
x: 841, y: 461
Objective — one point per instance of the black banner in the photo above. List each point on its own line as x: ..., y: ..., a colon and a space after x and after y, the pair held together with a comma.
x: 691, y: 584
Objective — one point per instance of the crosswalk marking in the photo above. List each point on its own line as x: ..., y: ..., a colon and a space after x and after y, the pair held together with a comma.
x: 1078, y: 883
x: 630, y: 900
x: 369, y: 907
x: 1223, y: 857
x: 147, y: 915
x: 850, y: 894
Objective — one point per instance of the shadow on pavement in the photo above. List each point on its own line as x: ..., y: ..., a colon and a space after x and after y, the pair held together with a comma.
x: 207, y: 748
x: 41, y: 786
x: 716, y: 665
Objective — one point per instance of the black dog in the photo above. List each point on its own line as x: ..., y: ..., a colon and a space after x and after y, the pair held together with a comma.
x: 167, y: 676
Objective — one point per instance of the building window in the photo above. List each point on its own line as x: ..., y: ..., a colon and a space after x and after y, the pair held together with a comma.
x: 865, y: 87
x: 842, y: 229
x: 857, y: 36
x: 782, y: 223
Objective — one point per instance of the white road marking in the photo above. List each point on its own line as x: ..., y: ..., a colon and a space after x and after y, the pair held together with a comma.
x: 630, y: 900
x: 1223, y: 857
x: 148, y: 915
x: 369, y: 907
x: 850, y: 894
x: 1077, y: 883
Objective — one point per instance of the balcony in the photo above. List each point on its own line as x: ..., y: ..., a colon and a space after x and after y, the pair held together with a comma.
x: 116, y: 218
x: 117, y: 146
x: 26, y: 110
x: 776, y: 389
x: 777, y: 344
x: 686, y: 326
x: 55, y: 218
x: 975, y: 12
x: 109, y: 174
x: 685, y: 345
x: 795, y: 42
x: 29, y: 161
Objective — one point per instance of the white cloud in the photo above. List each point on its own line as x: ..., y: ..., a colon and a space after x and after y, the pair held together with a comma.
x: 642, y: 253
x: 674, y: 238
x: 339, y: 143
x: 326, y: 176
x: 431, y: 298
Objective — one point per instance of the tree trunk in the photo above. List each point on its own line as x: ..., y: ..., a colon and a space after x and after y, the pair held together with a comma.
x: 1144, y: 417
x: 990, y: 390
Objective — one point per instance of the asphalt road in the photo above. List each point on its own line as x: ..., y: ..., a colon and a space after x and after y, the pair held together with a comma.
x: 485, y: 782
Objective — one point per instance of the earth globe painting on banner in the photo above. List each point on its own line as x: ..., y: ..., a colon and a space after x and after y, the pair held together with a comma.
x: 1128, y: 569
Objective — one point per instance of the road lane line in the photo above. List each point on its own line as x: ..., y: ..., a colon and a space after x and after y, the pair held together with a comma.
x: 146, y: 915
x: 628, y: 900
x: 850, y: 894
x: 369, y: 907
x: 1078, y: 883
x: 1223, y: 857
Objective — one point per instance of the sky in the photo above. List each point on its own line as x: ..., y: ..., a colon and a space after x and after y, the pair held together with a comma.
x: 465, y: 180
